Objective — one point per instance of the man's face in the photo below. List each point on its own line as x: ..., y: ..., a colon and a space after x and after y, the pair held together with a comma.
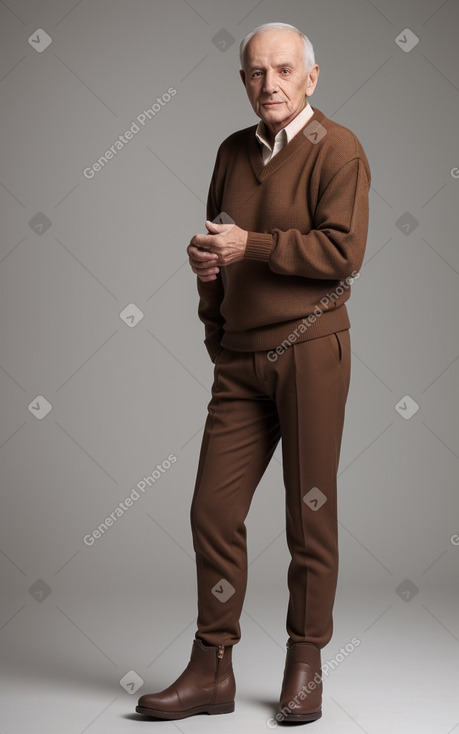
x: 276, y: 78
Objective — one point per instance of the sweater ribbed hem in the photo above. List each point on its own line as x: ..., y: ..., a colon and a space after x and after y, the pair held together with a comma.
x: 285, y: 334
x: 259, y: 246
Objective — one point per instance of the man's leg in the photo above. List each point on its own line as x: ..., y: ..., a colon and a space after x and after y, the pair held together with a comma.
x: 240, y: 436
x: 311, y: 394
x: 241, y: 433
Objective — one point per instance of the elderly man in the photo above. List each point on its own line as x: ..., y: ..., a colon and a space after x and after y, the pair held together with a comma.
x: 287, y: 221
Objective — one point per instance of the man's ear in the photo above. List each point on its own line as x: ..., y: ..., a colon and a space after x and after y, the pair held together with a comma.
x: 312, y: 80
x: 242, y: 75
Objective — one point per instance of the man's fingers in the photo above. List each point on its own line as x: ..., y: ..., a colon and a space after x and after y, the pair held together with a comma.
x: 201, y: 255
x: 201, y: 266
x: 202, y: 240
x: 202, y: 262
x: 200, y: 270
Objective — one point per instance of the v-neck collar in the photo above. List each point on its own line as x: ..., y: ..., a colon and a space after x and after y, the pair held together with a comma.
x: 261, y: 171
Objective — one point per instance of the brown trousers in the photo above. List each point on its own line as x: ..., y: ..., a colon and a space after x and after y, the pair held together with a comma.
x: 256, y: 400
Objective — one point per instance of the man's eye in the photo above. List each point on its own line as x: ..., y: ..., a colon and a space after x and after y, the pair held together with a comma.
x: 285, y: 71
x: 256, y: 73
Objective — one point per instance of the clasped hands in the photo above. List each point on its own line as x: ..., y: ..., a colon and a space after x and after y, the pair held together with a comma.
x: 225, y: 244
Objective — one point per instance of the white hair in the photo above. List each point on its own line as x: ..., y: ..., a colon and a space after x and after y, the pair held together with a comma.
x: 309, y: 59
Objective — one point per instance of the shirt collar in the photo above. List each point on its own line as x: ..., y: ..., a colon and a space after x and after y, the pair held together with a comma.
x: 285, y: 135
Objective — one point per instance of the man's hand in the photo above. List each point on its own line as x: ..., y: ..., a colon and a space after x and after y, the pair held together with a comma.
x: 225, y: 244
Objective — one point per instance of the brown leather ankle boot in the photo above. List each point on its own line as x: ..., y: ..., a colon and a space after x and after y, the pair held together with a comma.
x: 301, y: 696
x: 206, y: 686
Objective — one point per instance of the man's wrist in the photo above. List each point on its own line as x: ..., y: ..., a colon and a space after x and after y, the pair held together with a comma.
x: 259, y: 246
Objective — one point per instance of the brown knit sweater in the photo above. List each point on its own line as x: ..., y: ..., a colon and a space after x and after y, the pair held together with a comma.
x: 306, y: 212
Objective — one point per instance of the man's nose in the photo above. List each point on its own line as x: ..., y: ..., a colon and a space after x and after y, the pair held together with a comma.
x: 270, y: 86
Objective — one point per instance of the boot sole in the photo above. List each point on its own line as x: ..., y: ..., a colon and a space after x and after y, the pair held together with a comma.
x: 219, y: 708
x: 312, y: 716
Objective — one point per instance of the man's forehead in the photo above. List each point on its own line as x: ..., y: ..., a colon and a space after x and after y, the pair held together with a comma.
x: 280, y: 46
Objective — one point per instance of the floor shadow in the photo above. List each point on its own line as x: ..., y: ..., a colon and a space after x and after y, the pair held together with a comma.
x: 272, y: 708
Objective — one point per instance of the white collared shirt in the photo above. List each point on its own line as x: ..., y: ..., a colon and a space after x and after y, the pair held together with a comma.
x: 284, y: 136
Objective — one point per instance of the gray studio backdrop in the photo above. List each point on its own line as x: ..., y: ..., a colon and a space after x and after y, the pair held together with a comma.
x: 104, y: 378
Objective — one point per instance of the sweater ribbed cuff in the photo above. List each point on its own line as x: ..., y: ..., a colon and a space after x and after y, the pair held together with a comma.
x: 259, y: 246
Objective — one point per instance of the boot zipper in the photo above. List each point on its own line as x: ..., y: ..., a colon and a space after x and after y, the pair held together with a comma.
x: 220, y: 651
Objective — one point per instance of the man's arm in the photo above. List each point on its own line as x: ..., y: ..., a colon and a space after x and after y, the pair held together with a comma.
x: 210, y: 286
x: 333, y: 250
x: 336, y: 246
x: 210, y: 298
